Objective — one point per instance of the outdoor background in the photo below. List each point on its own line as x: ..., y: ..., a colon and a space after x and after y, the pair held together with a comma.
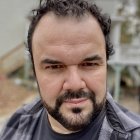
x: 17, y: 83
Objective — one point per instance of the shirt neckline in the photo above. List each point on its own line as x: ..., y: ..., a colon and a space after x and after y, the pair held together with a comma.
x: 96, y: 122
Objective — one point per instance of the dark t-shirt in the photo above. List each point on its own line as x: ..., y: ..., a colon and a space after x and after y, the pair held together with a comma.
x: 44, y: 131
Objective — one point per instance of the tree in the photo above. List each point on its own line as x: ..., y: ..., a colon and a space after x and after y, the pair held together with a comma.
x: 130, y: 10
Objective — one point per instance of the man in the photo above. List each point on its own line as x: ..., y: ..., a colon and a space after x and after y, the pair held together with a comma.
x: 69, y: 45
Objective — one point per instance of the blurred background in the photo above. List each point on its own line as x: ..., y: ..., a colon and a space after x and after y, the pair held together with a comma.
x: 17, y: 83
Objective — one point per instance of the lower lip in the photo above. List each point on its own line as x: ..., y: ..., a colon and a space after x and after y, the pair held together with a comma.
x: 75, y: 101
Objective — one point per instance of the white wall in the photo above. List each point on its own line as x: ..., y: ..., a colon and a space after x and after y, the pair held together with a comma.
x: 12, y: 22
x: 108, y: 6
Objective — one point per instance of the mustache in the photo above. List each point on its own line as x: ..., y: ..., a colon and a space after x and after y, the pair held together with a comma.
x: 69, y: 95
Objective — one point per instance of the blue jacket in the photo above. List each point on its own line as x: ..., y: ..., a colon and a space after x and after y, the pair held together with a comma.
x: 118, y: 124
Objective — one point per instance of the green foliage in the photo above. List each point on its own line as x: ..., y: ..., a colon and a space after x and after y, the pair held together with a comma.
x: 18, y: 73
x: 125, y: 36
x: 138, y: 10
x: 138, y: 16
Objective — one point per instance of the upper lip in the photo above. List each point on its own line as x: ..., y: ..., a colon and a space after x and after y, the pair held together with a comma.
x: 75, y: 101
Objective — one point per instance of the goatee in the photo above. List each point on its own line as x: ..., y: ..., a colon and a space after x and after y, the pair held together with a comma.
x: 79, y: 121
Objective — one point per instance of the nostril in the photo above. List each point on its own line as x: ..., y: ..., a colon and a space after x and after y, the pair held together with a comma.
x: 74, y: 85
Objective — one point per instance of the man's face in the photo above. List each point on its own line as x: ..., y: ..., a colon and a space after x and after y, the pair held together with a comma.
x: 70, y: 64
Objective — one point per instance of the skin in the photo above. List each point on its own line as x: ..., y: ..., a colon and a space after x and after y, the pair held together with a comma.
x: 69, y: 54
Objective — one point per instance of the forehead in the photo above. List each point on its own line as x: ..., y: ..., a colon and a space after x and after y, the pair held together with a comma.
x: 66, y: 34
x: 51, y: 25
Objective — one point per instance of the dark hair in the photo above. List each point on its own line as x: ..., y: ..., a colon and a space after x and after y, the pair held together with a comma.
x: 75, y: 8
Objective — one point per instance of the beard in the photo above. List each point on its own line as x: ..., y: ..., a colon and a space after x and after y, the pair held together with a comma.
x: 78, y: 120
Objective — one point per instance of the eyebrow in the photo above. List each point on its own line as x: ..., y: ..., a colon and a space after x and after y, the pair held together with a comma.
x: 93, y: 58
x: 50, y: 61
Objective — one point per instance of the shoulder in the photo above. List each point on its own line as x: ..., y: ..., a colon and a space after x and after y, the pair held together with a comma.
x: 129, y: 120
x: 122, y: 120
x: 21, y: 119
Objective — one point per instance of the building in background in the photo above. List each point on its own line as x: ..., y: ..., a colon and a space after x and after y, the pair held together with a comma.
x: 127, y: 53
x: 12, y: 33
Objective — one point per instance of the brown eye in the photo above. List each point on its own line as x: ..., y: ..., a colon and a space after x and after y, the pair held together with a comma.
x: 89, y: 64
x: 55, y: 67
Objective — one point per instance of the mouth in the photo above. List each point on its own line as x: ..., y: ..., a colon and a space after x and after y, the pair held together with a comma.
x: 75, y: 101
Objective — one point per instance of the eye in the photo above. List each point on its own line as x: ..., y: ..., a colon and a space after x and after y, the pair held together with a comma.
x: 55, y: 67
x: 89, y: 64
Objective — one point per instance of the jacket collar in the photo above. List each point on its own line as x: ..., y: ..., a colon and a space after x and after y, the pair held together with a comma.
x: 120, y: 118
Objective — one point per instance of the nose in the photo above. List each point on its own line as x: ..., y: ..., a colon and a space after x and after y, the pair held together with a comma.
x: 73, y: 80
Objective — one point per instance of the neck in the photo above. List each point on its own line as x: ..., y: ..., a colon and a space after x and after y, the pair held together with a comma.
x: 57, y: 127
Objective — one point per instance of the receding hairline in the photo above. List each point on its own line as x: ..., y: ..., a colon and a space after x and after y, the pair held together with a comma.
x: 85, y: 21
x: 62, y: 18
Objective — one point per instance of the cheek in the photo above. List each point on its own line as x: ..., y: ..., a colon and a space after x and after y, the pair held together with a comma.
x: 50, y: 88
x: 97, y: 83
